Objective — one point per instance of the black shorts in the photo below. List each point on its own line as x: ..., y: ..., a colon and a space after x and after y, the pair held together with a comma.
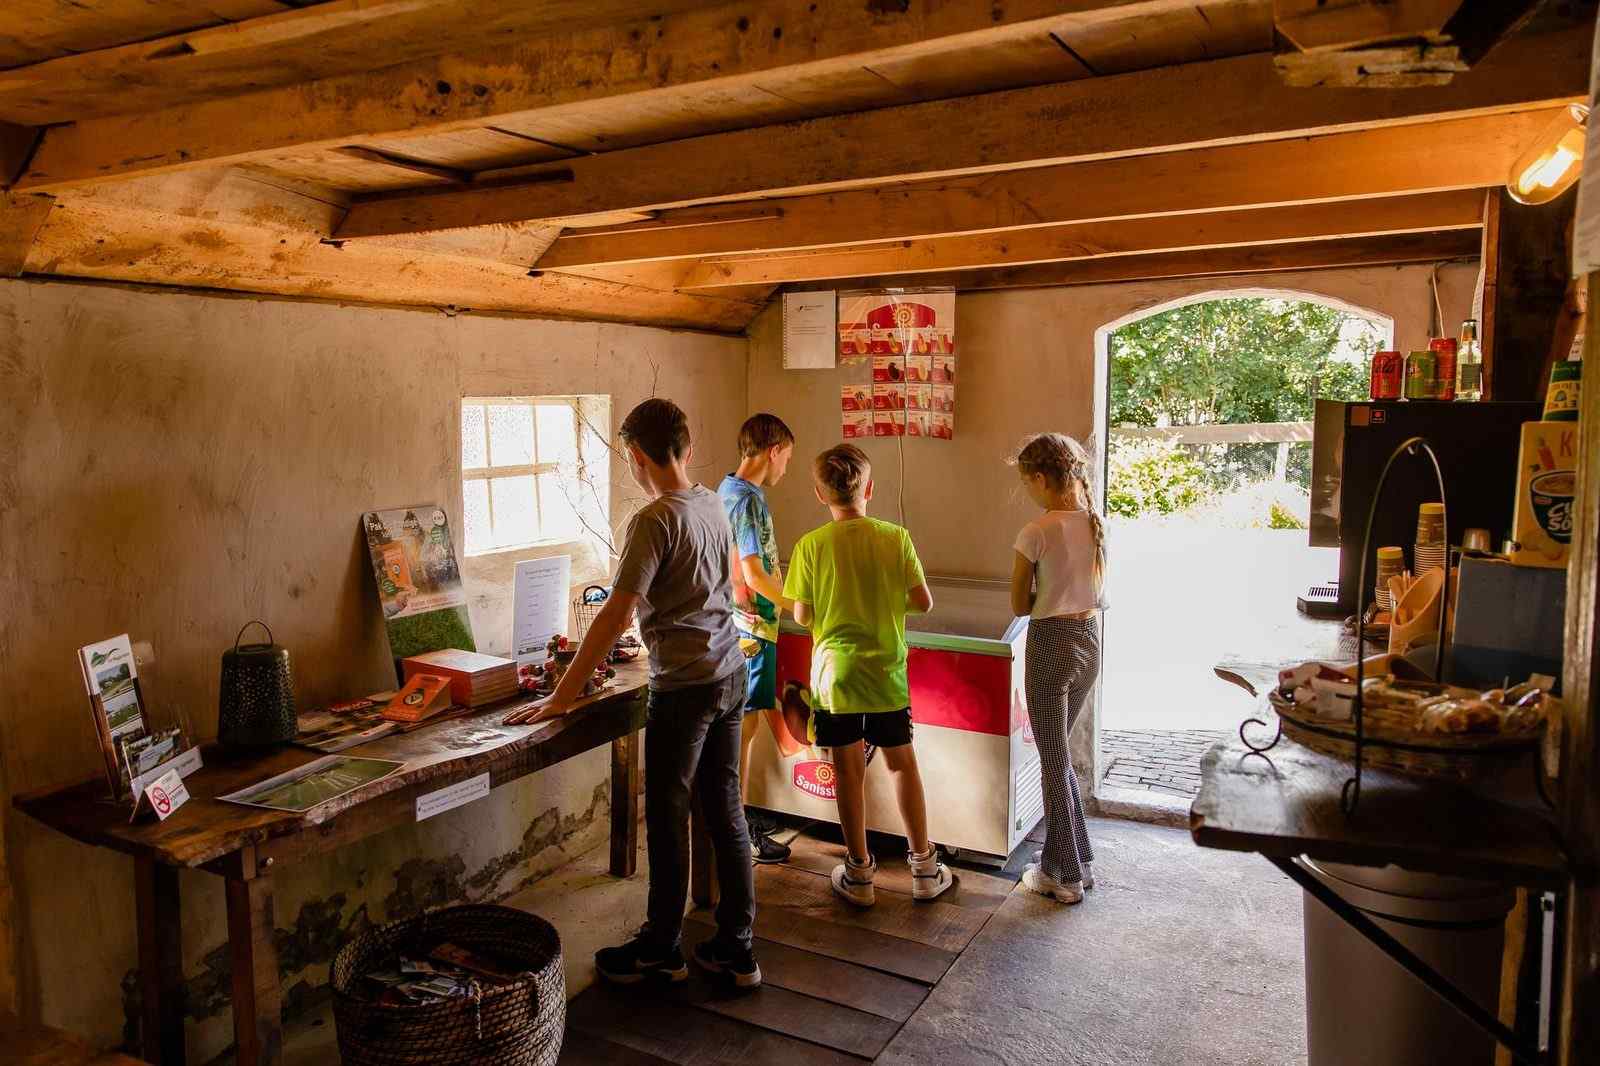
x: 881, y: 729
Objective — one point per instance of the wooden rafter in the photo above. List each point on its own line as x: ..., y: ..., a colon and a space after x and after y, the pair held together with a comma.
x: 734, y: 45
x: 1382, y: 162
x: 1190, y: 106
x: 1437, y: 212
x: 1266, y: 259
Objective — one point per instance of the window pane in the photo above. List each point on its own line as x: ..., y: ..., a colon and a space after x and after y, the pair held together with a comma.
x: 474, y: 442
x: 558, y: 436
x: 475, y: 498
x: 516, y: 517
x: 510, y: 439
x: 560, y: 520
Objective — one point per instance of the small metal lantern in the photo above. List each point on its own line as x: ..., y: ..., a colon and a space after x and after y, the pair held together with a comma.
x: 255, y: 707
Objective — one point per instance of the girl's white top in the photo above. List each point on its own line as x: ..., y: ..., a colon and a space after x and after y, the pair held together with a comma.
x: 1060, y: 544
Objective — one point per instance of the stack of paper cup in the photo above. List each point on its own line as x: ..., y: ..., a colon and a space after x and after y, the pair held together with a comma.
x: 1391, y: 563
x: 1430, y: 550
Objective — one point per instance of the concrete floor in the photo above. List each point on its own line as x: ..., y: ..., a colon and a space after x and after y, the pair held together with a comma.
x: 1178, y: 957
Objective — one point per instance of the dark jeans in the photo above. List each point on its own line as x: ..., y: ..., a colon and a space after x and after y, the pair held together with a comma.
x: 692, y: 741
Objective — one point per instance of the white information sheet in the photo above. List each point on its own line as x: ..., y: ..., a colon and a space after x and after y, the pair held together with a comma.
x: 452, y: 796
x: 1586, y: 229
x: 540, y: 591
x: 809, y: 339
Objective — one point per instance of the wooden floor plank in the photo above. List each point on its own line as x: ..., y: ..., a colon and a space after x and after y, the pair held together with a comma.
x: 583, y: 1049
x: 809, y: 973
x: 940, y: 925
x: 642, y: 1019
x: 891, y: 954
x: 771, y: 1007
x: 973, y: 888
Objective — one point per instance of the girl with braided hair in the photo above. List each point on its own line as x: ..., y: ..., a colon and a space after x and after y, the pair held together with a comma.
x: 1056, y: 579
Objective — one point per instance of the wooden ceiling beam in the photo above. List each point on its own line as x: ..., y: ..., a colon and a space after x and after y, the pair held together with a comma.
x: 20, y: 220
x: 1436, y: 212
x: 733, y: 45
x: 1392, y: 161
x: 1226, y: 101
x: 1264, y: 259
x: 106, y: 238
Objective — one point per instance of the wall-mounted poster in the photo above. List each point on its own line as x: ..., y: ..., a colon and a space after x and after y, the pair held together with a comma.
x: 419, y: 583
x: 909, y: 337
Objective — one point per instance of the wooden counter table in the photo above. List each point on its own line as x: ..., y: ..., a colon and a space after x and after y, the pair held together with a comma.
x: 245, y: 845
x: 1284, y: 805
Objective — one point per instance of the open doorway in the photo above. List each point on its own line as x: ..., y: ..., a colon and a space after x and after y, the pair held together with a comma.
x: 1207, y: 424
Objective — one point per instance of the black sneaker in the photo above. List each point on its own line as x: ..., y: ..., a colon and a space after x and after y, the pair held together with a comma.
x: 737, y: 963
x: 760, y: 822
x: 638, y: 961
x: 766, y: 851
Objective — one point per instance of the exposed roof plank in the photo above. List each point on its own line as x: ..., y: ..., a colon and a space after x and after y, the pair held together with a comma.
x: 35, y: 30
x: 1196, y: 105
x: 291, y: 44
x: 1389, y: 161
x: 1320, y: 255
x: 735, y: 44
x: 1435, y: 212
x: 20, y: 220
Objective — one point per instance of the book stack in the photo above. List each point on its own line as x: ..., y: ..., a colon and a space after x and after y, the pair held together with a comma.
x: 475, y: 679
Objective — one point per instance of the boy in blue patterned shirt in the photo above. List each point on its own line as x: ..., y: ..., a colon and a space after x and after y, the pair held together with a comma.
x: 765, y: 445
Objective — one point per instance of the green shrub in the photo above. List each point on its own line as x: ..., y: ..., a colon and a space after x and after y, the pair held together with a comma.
x: 1280, y: 517
x: 1150, y: 477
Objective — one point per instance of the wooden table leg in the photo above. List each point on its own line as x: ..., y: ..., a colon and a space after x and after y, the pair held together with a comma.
x: 702, y: 861
x: 160, y: 962
x: 625, y: 779
x: 257, y: 1027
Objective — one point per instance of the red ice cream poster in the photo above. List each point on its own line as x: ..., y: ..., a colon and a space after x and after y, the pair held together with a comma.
x: 909, y: 340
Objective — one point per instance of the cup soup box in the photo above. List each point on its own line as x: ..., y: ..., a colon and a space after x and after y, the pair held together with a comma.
x: 1547, y: 478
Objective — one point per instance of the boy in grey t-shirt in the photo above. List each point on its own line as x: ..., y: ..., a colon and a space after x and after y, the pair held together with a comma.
x: 675, y: 571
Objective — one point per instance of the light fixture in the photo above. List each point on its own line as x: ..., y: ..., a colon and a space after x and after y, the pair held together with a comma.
x: 1553, y: 162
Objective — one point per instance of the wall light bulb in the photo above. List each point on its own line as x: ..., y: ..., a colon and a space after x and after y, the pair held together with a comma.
x: 1554, y: 160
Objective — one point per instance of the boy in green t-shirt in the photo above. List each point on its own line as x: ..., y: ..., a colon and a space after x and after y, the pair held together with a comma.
x: 852, y: 582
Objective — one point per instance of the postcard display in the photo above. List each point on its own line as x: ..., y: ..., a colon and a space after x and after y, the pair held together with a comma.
x: 139, y: 744
x: 910, y: 341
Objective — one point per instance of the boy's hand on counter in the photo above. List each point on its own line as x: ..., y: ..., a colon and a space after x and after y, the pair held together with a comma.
x: 538, y: 711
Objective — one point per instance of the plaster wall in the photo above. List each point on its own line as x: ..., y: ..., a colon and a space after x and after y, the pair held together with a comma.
x: 175, y: 465
x: 1028, y: 363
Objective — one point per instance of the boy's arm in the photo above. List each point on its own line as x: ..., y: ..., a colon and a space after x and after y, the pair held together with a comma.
x: 802, y: 612
x: 596, y: 646
x: 919, y: 598
x: 797, y: 586
x: 769, y: 585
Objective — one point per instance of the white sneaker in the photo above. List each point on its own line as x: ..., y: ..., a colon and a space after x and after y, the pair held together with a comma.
x: 1088, y: 871
x: 930, y: 878
x: 1036, y: 880
x: 853, y: 881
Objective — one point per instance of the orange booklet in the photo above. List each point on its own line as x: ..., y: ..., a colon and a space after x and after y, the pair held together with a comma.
x: 424, y: 696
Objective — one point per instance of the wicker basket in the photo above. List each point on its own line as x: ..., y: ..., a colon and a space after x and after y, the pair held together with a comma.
x: 516, y: 1024
x: 1392, y: 743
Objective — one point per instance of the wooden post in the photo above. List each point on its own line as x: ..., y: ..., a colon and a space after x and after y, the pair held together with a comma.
x: 625, y: 780
x: 1579, y: 808
x: 160, y: 962
x: 257, y: 1025
x: 1526, y: 260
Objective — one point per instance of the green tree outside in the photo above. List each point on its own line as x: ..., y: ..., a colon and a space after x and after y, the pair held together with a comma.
x: 1231, y: 360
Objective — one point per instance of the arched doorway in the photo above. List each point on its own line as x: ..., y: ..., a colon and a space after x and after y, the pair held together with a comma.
x: 1205, y: 415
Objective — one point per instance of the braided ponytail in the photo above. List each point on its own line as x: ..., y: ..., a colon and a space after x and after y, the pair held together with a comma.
x: 1065, y: 464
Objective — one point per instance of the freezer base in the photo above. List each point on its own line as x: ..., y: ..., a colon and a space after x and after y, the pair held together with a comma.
x: 977, y: 767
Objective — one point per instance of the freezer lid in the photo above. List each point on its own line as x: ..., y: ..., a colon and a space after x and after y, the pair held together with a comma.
x: 969, y: 615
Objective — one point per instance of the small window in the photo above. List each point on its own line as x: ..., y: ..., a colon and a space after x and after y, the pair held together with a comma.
x: 534, y: 470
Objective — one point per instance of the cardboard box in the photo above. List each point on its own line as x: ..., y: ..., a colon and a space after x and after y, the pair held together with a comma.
x: 1547, y: 479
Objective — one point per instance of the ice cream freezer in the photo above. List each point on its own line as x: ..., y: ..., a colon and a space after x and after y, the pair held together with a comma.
x: 974, y: 747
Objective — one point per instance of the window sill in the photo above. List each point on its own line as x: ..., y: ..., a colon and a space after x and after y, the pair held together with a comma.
x: 535, y: 545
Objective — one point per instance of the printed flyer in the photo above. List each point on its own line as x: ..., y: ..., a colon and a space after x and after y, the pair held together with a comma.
x: 908, y: 340
x: 419, y: 583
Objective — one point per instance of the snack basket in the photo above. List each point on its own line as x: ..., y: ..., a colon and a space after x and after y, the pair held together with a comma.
x: 586, y: 607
